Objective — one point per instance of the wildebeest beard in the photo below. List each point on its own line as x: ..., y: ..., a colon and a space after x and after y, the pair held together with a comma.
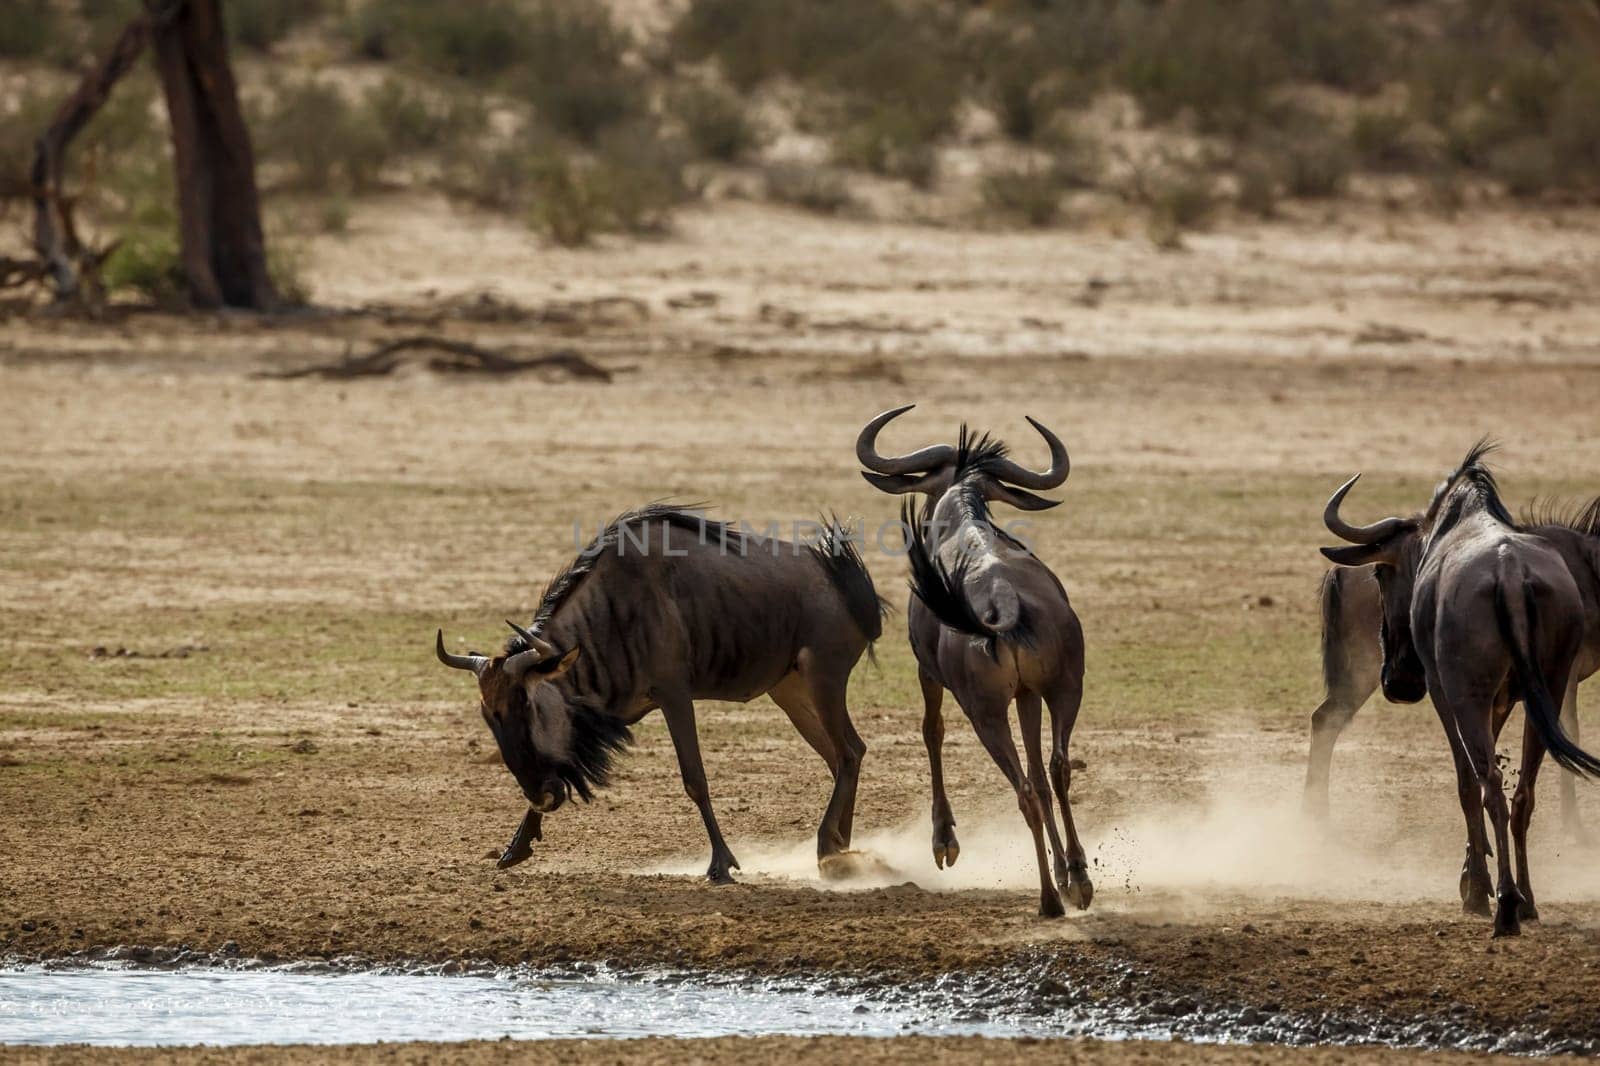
x: 597, y: 737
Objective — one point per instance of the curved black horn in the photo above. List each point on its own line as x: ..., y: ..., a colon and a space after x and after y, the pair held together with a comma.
x: 543, y: 647
x: 475, y: 663
x: 918, y: 462
x: 1060, y: 465
x: 1372, y: 534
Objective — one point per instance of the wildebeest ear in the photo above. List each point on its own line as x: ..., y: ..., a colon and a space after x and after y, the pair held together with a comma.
x: 1357, y: 554
x: 551, y: 669
x: 896, y: 484
x: 1019, y: 498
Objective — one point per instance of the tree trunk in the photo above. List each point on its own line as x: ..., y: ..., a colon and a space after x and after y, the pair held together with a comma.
x: 219, y: 209
x: 62, y: 256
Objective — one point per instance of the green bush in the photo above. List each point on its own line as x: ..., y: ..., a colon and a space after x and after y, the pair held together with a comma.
x: 1388, y: 139
x: 1258, y: 187
x: 1312, y: 157
x: 494, y: 176
x: 716, y: 122
x: 146, y: 262
x: 260, y: 24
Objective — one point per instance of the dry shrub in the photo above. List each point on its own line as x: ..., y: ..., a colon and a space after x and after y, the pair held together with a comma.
x: 716, y: 122
x: 1030, y: 193
x: 806, y: 186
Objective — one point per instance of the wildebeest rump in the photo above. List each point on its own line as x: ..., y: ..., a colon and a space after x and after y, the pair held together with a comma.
x: 1487, y: 614
x: 1352, y: 652
x: 990, y: 622
x: 663, y: 608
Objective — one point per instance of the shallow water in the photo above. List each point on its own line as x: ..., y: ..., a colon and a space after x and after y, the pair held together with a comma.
x: 117, y: 1005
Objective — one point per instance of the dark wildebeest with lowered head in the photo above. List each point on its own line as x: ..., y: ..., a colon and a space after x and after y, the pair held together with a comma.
x: 663, y: 608
x: 1352, y: 651
x: 991, y: 623
x: 1479, y: 614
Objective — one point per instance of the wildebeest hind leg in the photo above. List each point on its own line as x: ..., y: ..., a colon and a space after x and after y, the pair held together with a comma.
x: 1570, y: 823
x: 793, y: 695
x: 827, y: 694
x: 994, y: 730
x: 1475, y: 886
x: 679, y: 713
x: 1030, y: 715
x: 1522, y: 816
x: 1477, y: 740
x: 1063, y: 716
x: 946, y: 849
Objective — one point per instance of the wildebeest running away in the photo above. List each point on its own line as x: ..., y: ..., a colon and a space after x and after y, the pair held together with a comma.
x: 665, y: 607
x: 1480, y: 614
x: 991, y: 623
x: 1352, y: 652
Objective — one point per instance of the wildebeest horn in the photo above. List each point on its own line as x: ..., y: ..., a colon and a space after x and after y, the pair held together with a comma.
x: 543, y: 647
x: 1380, y: 530
x: 475, y: 663
x: 1060, y: 465
x: 917, y: 462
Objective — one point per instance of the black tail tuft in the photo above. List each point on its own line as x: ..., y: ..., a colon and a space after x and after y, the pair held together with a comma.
x: 1333, y: 656
x: 836, y: 551
x: 943, y: 590
x: 1544, y: 713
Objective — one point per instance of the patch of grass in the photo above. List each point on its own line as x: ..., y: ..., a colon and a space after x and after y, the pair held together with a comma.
x: 1312, y: 156
x: 1389, y: 139
x: 1257, y: 187
x: 146, y: 262
x: 716, y: 122
x: 474, y: 39
x: 806, y: 186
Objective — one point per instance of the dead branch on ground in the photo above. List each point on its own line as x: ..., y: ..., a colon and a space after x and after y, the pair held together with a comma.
x: 458, y: 357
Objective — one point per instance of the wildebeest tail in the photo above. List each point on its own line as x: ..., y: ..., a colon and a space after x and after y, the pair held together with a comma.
x: 836, y: 551
x: 1334, y: 661
x: 1544, y: 712
x: 943, y: 590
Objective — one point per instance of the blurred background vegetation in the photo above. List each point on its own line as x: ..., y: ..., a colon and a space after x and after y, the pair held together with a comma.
x: 1029, y: 113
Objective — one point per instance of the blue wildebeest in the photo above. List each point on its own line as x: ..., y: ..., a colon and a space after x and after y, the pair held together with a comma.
x: 991, y: 623
x: 663, y: 608
x: 1479, y: 614
x: 1352, y: 651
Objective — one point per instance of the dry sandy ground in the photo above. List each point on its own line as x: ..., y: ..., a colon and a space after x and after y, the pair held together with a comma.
x: 277, y: 767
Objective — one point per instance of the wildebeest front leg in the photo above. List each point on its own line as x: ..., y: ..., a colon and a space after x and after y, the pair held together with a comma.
x: 945, y: 847
x: 1030, y: 715
x: 994, y: 730
x: 679, y: 712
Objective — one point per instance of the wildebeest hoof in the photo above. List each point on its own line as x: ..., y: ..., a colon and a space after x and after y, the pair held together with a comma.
x: 847, y: 865
x: 718, y: 873
x: 521, y: 847
x: 946, y: 849
x: 1475, y: 894
x: 1505, y: 922
x: 1080, y: 890
x: 1050, y: 905
x: 1526, y: 911
x: 1477, y: 905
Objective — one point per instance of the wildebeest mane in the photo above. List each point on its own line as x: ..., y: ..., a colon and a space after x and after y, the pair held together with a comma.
x: 836, y: 551
x: 1472, y: 480
x: 565, y: 583
x: 1580, y: 518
